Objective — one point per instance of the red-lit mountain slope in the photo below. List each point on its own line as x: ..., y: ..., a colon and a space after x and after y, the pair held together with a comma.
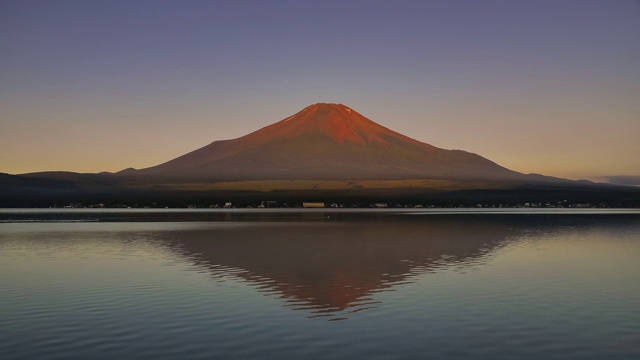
x: 326, y: 142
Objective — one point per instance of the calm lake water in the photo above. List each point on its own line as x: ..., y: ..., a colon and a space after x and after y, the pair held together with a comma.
x: 511, y: 284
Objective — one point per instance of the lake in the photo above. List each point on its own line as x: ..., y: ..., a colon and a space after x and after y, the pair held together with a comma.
x: 319, y: 284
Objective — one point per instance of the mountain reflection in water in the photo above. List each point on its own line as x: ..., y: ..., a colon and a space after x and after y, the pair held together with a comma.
x: 328, y: 268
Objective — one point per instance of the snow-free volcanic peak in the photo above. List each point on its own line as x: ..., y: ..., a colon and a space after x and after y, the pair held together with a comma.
x: 326, y: 142
x: 339, y: 122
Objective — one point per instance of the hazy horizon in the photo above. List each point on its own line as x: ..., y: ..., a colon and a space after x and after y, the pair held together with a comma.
x: 538, y: 87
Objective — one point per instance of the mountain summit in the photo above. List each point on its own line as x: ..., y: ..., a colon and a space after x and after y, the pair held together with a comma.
x: 325, y: 142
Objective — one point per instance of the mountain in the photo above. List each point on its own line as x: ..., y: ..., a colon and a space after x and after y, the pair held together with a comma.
x: 324, y: 153
x: 325, y: 142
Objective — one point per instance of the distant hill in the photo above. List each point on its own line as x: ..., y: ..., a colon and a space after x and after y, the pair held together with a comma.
x: 24, y: 183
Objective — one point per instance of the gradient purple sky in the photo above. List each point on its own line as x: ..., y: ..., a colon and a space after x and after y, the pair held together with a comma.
x: 550, y: 87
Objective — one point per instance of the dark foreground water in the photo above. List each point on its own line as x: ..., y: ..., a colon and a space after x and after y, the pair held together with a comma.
x: 319, y: 285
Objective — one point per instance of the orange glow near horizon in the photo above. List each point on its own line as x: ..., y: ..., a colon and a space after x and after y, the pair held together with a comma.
x: 549, y: 93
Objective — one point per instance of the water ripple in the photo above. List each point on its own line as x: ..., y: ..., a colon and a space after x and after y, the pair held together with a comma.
x: 340, y: 290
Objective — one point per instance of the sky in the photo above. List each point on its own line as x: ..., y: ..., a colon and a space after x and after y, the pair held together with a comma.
x: 549, y: 87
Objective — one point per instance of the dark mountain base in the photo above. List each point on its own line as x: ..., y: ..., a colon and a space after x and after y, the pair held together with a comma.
x: 544, y: 196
